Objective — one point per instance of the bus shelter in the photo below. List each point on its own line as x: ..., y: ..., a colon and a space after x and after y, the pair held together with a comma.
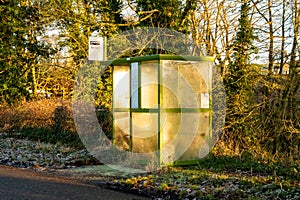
x: 163, y: 104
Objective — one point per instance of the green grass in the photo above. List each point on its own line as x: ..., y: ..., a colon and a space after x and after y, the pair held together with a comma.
x: 249, y: 164
x: 223, y: 177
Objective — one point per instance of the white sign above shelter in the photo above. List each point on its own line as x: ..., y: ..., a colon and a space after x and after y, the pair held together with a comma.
x: 96, y: 48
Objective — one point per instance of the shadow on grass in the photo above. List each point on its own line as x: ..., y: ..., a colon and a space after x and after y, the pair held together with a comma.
x: 248, y: 164
x: 49, y: 136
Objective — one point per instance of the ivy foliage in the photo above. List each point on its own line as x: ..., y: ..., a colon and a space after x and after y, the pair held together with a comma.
x: 238, y: 81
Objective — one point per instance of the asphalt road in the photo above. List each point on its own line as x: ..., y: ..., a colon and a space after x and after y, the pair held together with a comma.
x: 23, y: 184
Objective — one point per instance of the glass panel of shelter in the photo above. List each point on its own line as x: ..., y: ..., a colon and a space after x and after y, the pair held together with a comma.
x: 149, y: 84
x: 144, y: 89
x: 121, y: 105
x: 121, y: 80
x: 183, y: 85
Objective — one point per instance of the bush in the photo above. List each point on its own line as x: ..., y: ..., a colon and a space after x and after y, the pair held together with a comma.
x: 47, y: 120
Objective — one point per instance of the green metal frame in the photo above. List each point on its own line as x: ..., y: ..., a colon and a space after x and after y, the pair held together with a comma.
x: 160, y: 57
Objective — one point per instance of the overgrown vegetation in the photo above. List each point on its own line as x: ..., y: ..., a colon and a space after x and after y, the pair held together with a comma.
x: 262, y: 115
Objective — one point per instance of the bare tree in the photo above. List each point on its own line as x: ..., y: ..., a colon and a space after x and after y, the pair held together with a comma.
x: 214, y: 25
